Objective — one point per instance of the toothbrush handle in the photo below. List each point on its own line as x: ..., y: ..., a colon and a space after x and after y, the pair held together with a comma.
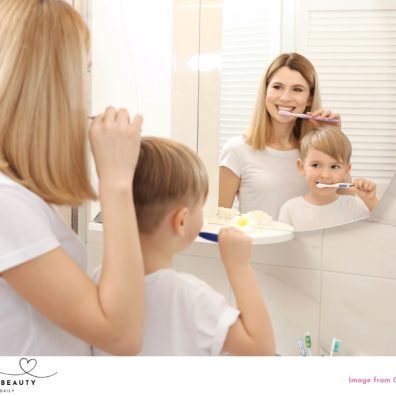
x: 209, y: 236
x: 322, y: 119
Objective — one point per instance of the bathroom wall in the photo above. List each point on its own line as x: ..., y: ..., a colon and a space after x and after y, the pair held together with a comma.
x: 338, y: 282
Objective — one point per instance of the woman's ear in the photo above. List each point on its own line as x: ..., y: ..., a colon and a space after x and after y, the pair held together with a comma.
x: 178, y: 220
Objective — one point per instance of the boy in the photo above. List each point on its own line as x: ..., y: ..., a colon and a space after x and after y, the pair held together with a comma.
x: 183, y: 315
x: 325, y: 155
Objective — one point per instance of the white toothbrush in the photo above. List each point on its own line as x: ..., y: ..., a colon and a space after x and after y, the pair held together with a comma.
x: 299, y: 115
x: 338, y: 185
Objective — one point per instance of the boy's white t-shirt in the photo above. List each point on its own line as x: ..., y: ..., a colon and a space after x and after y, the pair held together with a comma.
x: 184, y: 316
x: 29, y: 227
x: 268, y: 177
x: 303, y: 215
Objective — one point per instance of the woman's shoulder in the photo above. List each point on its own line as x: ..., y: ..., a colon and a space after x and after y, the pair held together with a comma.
x: 11, y: 188
x: 235, y: 142
x: 19, y: 200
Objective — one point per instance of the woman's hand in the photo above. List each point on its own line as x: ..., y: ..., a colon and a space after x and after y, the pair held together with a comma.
x: 115, y: 144
x: 327, y: 114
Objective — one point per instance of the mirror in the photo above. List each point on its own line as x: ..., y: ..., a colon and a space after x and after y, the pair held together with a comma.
x: 213, y: 53
x: 354, y: 65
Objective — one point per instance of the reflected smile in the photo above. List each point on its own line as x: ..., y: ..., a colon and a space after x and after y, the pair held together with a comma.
x: 285, y: 108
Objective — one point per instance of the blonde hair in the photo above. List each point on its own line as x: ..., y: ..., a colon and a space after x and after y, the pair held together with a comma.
x: 259, y: 131
x: 42, y: 105
x: 328, y: 139
x: 167, y: 173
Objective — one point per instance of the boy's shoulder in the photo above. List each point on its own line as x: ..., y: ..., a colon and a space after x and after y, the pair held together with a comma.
x: 299, y: 200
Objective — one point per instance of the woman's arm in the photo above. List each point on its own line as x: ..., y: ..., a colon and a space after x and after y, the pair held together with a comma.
x: 62, y: 292
x: 228, y: 187
x: 110, y: 315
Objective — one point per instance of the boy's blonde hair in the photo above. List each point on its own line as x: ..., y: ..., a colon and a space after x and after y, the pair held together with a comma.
x: 259, y: 132
x: 167, y: 173
x: 330, y: 140
x: 43, y: 51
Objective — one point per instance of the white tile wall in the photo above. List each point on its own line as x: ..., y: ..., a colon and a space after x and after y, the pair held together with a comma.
x: 293, y: 300
x: 359, y: 310
x: 361, y: 248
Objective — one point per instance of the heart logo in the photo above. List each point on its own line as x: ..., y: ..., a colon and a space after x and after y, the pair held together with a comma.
x: 27, y: 365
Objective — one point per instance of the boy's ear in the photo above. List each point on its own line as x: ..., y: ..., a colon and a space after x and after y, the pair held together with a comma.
x: 348, y: 168
x: 300, y: 166
x: 178, y: 220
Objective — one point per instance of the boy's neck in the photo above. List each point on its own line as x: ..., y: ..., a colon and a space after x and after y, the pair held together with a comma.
x: 320, y: 200
x: 157, y: 253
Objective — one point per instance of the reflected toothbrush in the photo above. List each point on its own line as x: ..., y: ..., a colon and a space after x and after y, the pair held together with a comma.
x: 307, y: 116
x: 337, y: 185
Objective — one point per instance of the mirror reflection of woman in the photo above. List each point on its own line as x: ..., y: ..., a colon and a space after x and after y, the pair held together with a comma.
x: 260, y: 167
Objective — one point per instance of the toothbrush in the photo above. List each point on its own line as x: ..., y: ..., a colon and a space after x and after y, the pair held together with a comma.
x: 338, y: 185
x: 210, y: 236
x: 299, y: 115
x: 335, y: 346
x: 308, y: 343
x: 301, y: 349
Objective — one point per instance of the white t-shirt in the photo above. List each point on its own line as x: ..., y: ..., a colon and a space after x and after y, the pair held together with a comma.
x: 183, y: 316
x: 29, y: 227
x: 269, y: 177
x: 303, y: 215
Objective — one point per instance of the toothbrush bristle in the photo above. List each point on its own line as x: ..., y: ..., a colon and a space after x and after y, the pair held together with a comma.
x: 284, y: 112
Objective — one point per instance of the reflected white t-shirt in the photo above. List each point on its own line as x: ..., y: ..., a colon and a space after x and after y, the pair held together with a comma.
x: 29, y: 227
x: 183, y: 316
x: 303, y: 215
x: 268, y: 178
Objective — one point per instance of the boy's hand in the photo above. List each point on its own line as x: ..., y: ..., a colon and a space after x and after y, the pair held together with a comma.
x: 367, y: 191
x: 235, y: 247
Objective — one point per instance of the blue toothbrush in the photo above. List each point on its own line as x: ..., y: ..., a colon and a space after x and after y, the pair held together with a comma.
x: 210, y: 236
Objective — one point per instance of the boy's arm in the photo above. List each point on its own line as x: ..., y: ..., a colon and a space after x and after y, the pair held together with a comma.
x: 284, y: 214
x: 367, y: 191
x: 252, y: 333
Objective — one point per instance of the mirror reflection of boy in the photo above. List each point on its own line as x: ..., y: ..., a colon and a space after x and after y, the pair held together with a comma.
x: 183, y: 314
x: 325, y: 155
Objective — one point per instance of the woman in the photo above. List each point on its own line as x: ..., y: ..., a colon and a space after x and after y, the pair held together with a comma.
x: 49, y: 306
x: 260, y: 167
